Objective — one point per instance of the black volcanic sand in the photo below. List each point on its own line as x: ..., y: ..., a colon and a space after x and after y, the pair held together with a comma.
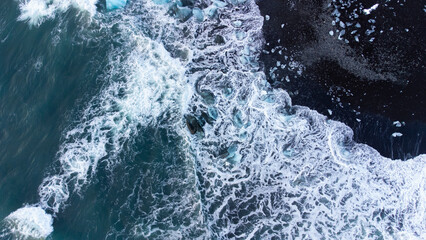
x: 369, y: 77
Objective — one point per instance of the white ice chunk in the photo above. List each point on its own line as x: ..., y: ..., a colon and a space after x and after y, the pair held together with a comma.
x: 396, y: 134
x: 369, y: 10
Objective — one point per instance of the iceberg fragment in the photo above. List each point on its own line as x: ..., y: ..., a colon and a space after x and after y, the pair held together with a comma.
x: 115, y: 4
x: 198, y: 14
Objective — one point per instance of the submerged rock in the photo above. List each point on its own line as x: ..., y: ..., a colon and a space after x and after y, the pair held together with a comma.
x: 193, y: 124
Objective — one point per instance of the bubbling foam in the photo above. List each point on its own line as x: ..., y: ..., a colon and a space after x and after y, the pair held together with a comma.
x: 145, y: 86
x: 37, y: 11
x: 152, y: 87
x: 268, y: 169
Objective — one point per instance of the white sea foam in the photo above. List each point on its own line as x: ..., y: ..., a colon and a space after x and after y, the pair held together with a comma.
x: 37, y: 11
x: 152, y: 87
x: 29, y: 222
x: 146, y: 85
x: 270, y: 169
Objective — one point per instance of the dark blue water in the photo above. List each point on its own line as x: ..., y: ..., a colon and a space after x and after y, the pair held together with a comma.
x: 41, y: 88
x: 156, y: 121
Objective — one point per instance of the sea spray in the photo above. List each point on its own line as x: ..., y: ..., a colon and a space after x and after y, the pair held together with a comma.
x: 35, y: 12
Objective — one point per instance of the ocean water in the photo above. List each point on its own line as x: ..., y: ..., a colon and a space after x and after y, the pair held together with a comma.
x: 156, y: 121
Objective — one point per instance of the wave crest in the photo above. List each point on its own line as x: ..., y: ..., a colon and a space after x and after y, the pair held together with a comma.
x: 35, y: 12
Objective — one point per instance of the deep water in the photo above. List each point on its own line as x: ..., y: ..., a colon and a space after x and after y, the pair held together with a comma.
x: 46, y: 75
x: 161, y: 120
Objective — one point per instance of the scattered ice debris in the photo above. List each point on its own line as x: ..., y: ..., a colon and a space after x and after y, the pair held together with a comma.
x: 330, y: 112
x: 369, y: 10
x: 331, y: 33
x: 267, y: 17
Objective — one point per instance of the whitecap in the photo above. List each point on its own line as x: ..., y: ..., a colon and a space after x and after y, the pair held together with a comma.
x: 35, y: 12
x: 29, y: 222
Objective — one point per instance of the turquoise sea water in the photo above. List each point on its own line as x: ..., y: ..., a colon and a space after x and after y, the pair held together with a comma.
x: 149, y: 123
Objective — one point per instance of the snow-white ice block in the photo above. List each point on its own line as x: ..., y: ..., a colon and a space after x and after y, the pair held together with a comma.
x: 115, y: 4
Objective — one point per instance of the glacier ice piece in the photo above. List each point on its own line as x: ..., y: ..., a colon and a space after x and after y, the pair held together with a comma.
x: 115, y: 4
x: 368, y: 11
x: 198, y: 14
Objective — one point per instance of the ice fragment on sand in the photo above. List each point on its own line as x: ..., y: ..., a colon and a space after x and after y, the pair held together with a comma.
x: 398, y: 124
x: 396, y: 134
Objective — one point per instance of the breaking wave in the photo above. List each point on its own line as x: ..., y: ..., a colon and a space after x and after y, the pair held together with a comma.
x: 37, y: 11
x: 270, y: 170
x: 27, y: 222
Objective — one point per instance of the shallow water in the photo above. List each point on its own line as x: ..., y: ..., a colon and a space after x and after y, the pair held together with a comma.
x: 156, y: 121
